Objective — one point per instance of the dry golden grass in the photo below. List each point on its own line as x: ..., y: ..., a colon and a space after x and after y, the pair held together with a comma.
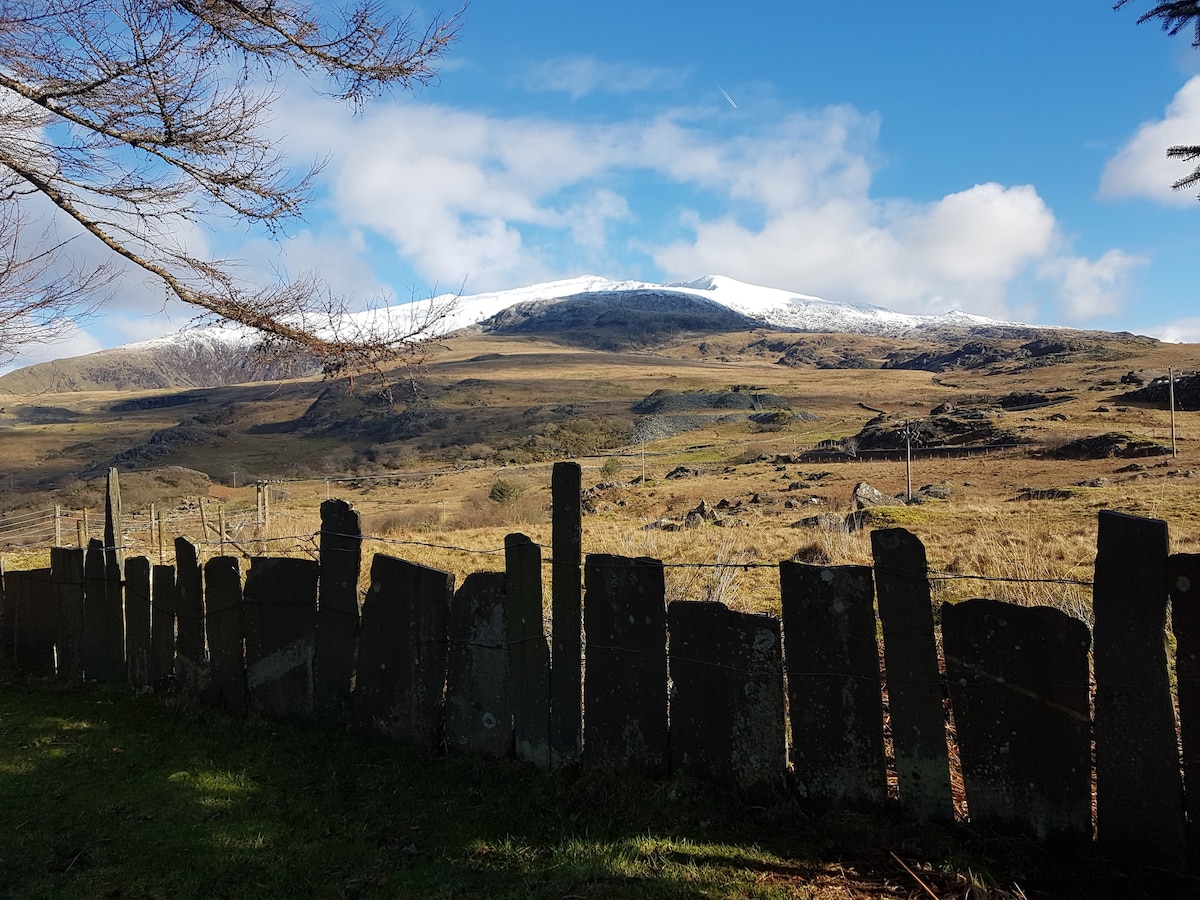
x: 433, y: 504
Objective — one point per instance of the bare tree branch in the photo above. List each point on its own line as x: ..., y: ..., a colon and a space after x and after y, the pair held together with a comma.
x: 138, y: 119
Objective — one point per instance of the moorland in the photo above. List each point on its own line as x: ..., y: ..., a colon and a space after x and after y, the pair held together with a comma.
x: 727, y: 449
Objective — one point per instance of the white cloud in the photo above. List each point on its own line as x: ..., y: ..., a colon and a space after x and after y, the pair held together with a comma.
x: 72, y: 342
x: 785, y: 202
x: 578, y: 76
x: 1141, y: 168
x: 1181, y: 331
x: 1090, y: 288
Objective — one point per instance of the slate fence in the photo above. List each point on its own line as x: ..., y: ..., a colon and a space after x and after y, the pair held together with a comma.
x: 806, y: 703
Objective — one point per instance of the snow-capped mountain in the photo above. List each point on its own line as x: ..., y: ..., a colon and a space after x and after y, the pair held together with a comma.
x: 207, y: 356
x: 770, y: 307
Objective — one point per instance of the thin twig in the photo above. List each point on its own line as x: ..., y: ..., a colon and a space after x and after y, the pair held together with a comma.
x: 915, y: 876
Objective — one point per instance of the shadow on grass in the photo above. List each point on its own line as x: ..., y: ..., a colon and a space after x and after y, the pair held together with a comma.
x: 107, y: 794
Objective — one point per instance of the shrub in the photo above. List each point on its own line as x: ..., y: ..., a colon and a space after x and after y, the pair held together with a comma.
x: 506, y: 490
x: 611, y: 468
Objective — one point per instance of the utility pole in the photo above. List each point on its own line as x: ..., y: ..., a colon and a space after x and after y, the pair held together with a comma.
x: 1171, y: 393
x: 908, y: 460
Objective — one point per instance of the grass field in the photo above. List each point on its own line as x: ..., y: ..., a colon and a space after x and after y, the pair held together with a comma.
x: 104, y: 793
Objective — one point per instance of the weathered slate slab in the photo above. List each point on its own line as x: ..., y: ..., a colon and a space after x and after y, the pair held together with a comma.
x: 1184, y: 584
x: 625, y: 692
x: 33, y: 600
x: 137, y: 620
x: 1019, y: 686
x: 528, y: 652
x: 478, y: 690
x: 114, y: 551
x: 337, y: 610
x: 1139, y: 791
x: 566, y: 612
x: 834, y: 692
x: 8, y: 632
x: 914, y: 682
x: 226, y: 688
x: 280, y: 607
x: 162, y: 624
x: 402, y: 652
x: 191, y: 658
x: 727, y: 702
x: 103, y: 621
x: 66, y: 567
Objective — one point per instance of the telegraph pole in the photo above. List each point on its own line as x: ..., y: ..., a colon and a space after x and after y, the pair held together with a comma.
x: 1171, y: 394
x: 908, y: 460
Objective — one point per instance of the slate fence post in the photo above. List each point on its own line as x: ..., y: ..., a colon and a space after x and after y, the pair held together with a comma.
x: 625, y: 691
x: 1184, y: 586
x: 1139, y: 791
x: 727, y: 700
x: 191, y: 659
x: 479, y: 707
x: 529, y: 653
x: 914, y: 681
x: 566, y: 658
x: 337, y: 610
x: 66, y: 568
x: 137, y: 620
x: 834, y: 687
x: 280, y: 609
x: 1019, y: 686
x: 402, y: 652
x: 162, y: 625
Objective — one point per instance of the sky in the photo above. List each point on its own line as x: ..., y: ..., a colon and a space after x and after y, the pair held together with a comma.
x: 1006, y: 160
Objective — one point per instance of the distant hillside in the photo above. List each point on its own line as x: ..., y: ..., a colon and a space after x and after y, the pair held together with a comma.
x: 197, y: 358
x: 588, y: 312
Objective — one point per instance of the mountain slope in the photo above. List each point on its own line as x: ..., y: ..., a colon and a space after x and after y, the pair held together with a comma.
x: 589, y: 311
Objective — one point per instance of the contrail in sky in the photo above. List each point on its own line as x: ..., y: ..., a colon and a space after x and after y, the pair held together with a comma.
x: 725, y: 93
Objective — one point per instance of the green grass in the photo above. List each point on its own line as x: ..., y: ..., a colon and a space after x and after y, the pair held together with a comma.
x: 104, y: 793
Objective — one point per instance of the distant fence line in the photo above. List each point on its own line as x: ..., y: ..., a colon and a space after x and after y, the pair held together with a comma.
x: 203, y: 520
x: 687, y: 687
x: 55, y: 526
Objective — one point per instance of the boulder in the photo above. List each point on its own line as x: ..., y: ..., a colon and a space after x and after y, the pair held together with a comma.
x: 865, y: 496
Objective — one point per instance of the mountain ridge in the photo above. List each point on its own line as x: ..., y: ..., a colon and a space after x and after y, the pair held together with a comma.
x: 588, y: 311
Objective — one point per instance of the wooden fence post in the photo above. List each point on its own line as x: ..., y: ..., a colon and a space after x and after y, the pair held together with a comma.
x: 625, y: 692
x: 337, y: 609
x: 566, y: 662
x: 529, y: 655
x: 1139, y: 793
x: 914, y: 683
x: 834, y: 693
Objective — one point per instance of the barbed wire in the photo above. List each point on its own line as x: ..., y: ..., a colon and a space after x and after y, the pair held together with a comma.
x: 309, y: 543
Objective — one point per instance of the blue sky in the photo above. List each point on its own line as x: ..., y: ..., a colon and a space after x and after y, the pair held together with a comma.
x: 1003, y: 159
